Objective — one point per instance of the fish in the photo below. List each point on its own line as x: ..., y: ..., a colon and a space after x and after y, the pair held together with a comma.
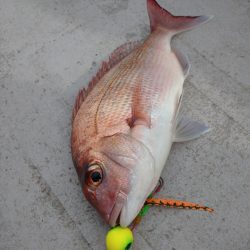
x: 127, y: 118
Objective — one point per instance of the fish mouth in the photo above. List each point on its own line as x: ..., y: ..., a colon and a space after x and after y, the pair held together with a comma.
x: 116, y: 211
x: 130, y: 211
x: 141, y: 185
x: 123, y: 213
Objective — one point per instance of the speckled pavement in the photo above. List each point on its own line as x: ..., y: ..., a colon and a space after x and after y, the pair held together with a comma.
x: 51, y: 48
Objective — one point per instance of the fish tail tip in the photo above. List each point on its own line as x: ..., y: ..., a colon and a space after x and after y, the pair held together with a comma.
x: 176, y: 24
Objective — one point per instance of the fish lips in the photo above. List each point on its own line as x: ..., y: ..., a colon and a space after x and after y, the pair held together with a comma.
x: 116, y: 211
x: 109, y: 211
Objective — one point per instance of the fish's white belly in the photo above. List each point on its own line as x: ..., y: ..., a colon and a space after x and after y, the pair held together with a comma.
x: 161, y: 142
x: 159, y: 138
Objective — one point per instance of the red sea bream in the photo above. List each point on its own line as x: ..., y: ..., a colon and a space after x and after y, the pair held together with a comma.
x: 125, y: 122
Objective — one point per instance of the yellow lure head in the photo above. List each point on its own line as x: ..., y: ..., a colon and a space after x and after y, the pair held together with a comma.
x: 119, y: 238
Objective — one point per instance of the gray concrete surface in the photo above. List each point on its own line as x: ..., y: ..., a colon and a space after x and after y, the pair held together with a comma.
x: 48, y: 50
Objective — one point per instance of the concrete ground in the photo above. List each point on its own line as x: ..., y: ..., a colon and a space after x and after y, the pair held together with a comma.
x: 48, y: 50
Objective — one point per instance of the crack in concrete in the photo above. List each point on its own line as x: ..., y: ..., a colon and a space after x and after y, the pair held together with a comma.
x: 223, y: 111
x: 217, y: 67
x: 54, y: 201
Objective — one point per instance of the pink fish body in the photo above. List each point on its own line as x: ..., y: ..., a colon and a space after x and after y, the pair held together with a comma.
x: 124, y: 124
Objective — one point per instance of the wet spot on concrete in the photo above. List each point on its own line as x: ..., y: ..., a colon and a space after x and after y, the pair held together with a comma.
x: 112, y: 7
x: 130, y: 36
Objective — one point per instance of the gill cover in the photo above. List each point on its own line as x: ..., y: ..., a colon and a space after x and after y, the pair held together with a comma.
x: 135, y: 156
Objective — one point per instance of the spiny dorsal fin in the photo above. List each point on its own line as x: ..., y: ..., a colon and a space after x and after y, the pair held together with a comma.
x: 116, y: 56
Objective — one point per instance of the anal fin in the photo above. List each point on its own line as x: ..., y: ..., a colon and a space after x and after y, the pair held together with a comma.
x: 187, y: 130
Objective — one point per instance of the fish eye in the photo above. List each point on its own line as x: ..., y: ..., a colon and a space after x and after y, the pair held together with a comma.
x: 94, y: 175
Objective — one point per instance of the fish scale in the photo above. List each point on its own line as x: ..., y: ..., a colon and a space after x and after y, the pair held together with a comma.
x: 131, y: 72
x: 119, y: 86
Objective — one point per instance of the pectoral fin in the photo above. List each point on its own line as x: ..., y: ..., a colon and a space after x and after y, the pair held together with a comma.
x: 187, y: 130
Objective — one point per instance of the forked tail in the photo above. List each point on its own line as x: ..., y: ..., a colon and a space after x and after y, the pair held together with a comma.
x: 160, y: 17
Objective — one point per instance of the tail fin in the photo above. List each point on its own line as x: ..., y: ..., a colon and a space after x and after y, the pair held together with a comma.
x: 160, y: 17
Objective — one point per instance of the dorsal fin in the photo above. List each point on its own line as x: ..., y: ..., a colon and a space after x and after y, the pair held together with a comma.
x: 116, y: 56
x: 183, y: 60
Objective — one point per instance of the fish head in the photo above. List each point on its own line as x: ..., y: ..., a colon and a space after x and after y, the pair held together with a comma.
x: 117, y: 177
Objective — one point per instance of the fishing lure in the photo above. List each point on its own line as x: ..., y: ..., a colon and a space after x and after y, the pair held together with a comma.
x: 122, y: 238
x: 151, y: 201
